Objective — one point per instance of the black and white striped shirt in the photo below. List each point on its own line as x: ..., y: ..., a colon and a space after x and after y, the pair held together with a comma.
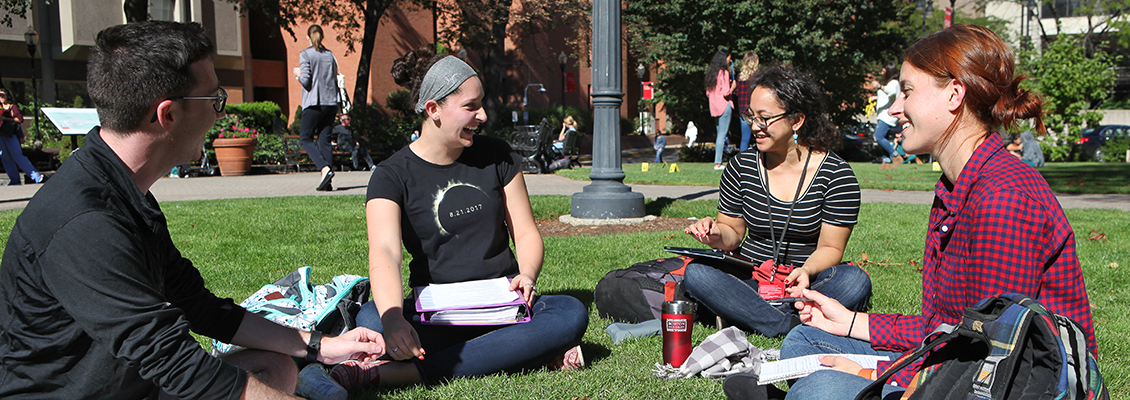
x: 832, y: 197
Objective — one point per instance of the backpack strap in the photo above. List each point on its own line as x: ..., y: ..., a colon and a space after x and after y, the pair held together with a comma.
x: 874, y: 391
x: 672, y: 288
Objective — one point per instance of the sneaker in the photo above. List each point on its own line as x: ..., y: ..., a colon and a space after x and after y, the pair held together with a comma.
x: 353, y: 374
x: 719, y: 167
x: 315, y: 384
x: 35, y: 177
x: 743, y: 387
x: 571, y: 359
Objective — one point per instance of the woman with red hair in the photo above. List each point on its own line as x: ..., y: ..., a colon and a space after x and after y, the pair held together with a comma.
x: 995, y: 226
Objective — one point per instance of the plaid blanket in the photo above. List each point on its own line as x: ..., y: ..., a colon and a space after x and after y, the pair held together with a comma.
x: 722, y: 354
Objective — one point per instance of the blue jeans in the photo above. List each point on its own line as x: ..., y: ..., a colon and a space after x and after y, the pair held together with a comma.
x: 723, y: 129
x: 746, y: 133
x: 11, y: 154
x: 821, y: 385
x: 737, y: 300
x: 558, y: 323
x: 881, y: 129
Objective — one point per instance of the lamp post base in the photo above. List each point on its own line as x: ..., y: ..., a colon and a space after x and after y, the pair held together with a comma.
x: 607, y: 200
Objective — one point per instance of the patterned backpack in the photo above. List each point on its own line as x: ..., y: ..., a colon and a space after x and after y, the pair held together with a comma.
x: 292, y: 301
x: 1007, y: 347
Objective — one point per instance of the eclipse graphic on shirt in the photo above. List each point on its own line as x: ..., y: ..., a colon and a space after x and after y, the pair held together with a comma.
x: 456, y: 205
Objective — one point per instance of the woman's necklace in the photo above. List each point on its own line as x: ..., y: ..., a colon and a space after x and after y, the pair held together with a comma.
x: 769, y: 208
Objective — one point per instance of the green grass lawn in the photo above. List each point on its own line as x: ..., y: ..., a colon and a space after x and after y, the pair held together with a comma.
x: 1062, y: 177
x: 241, y: 244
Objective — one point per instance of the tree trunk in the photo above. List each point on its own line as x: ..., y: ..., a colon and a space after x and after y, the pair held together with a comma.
x: 493, y: 65
x: 374, y: 10
x: 136, y: 10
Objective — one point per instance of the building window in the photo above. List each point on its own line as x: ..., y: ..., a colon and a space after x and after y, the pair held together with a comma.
x: 162, y: 10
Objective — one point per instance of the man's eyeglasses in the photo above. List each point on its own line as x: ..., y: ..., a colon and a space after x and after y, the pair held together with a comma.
x: 761, y: 122
x: 218, y: 101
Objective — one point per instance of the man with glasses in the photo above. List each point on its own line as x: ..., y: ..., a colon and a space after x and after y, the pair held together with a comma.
x: 95, y: 299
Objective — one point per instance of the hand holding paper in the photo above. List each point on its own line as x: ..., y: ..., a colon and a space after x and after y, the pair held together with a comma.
x: 525, y: 284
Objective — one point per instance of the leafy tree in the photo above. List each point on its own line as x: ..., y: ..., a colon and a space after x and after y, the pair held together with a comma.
x: 16, y: 8
x: 1071, y: 82
x: 483, y: 26
x: 344, y: 16
x: 837, y: 41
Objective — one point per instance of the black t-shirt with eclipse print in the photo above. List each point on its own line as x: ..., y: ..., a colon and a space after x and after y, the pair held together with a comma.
x: 452, y: 217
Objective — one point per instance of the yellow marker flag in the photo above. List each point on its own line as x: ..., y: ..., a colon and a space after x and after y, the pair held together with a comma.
x: 674, y: 168
x: 936, y: 166
x: 643, y: 167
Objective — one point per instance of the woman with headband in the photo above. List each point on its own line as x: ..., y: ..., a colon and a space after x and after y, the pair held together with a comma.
x: 455, y: 199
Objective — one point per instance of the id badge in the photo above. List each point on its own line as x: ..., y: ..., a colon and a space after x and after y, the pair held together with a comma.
x: 771, y: 290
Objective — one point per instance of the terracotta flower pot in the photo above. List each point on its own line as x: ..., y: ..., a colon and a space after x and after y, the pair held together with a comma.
x: 234, y: 155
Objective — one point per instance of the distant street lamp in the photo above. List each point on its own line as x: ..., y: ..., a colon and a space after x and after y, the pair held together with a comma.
x: 561, y: 60
x: 31, y: 37
x: 640, y: 70
x: 927, y: 9
x: 526, y: 99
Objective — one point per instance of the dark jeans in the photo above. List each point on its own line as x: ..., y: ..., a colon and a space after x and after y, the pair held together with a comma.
x: 738, y: 302
x: 317, y: 120
x: 12, y: 155
x: 558, y: 323
x: 361, y: 154
x: 827, y: 385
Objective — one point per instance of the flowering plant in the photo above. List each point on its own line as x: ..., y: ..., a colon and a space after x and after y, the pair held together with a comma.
x: 236, y: 131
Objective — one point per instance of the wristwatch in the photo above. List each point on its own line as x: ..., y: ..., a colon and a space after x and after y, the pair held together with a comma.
x: 314, y: 346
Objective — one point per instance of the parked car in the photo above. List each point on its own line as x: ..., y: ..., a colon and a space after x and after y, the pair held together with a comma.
x: 859, y: 144
x: 1094, y: 138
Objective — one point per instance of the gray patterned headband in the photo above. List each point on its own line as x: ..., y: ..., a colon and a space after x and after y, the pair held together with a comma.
x: 442, y: 78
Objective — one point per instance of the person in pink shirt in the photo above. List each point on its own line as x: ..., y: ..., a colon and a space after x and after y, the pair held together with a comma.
x: 719, y: 85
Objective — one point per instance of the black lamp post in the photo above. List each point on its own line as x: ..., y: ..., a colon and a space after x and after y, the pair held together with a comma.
x: 640, y: 70
x: 561, y: 60
x: 31, y: 37
x: 927, y: 8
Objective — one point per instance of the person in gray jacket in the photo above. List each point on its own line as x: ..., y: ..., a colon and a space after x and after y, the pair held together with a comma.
x: 317, y: 72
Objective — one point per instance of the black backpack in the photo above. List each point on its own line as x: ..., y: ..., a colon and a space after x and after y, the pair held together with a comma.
x: 1007, y: 347
x: 635, y: 294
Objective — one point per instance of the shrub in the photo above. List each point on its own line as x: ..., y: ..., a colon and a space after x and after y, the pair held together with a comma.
x: 1114, y: 150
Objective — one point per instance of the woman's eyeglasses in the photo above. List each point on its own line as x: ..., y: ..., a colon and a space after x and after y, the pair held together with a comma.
x: 761, y: 122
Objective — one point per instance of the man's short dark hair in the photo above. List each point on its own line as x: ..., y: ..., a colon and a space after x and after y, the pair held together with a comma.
x: 135, y: 65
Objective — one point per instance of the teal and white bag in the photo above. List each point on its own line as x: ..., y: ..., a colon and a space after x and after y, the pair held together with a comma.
x: 293, y: 301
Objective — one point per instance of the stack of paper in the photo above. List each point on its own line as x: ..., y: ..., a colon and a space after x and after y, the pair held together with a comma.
x: 482, y: 302
x: 799, y: 367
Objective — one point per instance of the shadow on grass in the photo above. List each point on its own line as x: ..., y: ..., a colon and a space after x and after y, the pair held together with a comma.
x: 1087, y: 178
x: 656, y: 207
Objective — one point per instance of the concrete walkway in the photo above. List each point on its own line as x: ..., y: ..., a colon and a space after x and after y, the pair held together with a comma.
x: 355, y: 183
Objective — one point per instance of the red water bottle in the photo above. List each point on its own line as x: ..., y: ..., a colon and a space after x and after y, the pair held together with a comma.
x: 677, y: 319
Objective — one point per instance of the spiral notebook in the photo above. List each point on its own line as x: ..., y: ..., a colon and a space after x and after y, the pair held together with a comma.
x: 481, y: 302
x: 799, y: 367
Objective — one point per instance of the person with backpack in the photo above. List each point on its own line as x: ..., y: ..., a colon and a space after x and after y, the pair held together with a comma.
x: 454, y: 200
x: 789, y: 202
x: 995, y: 226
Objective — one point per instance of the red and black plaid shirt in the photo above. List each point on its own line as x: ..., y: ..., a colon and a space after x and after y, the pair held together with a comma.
x: 998, y: 229
x: 741, y: 94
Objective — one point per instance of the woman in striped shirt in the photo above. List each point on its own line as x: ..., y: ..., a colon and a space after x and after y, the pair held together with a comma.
x: 790, y: 200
